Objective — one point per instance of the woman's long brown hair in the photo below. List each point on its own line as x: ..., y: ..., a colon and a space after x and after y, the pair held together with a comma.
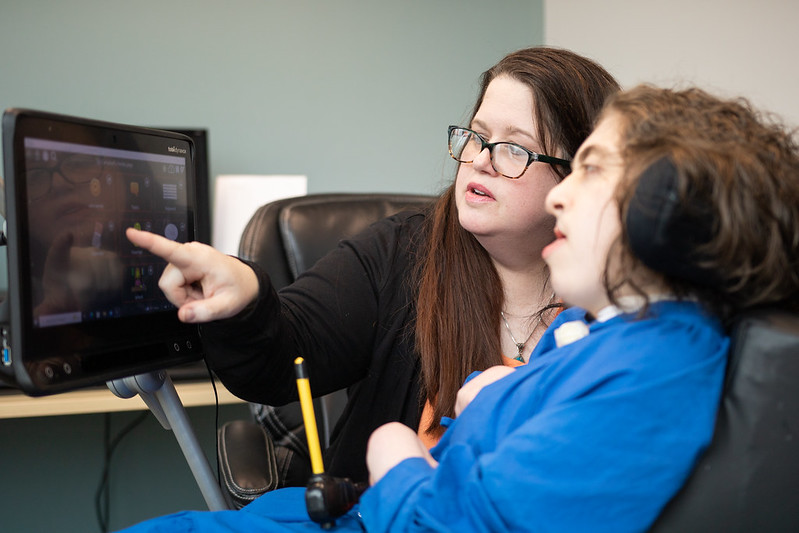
x: 460, y: 295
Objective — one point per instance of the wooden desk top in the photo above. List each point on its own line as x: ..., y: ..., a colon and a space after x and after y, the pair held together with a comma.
x: 15, y: 404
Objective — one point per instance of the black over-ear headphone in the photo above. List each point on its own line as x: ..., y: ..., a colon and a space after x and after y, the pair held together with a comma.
x: 666, y: 231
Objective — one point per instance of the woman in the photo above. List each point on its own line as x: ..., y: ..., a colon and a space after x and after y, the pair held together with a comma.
x: 471, y: 269
x: 488, y: 231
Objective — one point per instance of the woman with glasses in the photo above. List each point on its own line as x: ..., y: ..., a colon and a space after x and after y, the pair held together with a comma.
x: 404, y: 312
x: 488, y: 228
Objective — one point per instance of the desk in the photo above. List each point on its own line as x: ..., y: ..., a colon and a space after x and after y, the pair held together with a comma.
x: 15, y: 404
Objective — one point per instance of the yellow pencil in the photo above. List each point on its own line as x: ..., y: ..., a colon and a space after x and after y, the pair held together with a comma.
x: 309, y: 419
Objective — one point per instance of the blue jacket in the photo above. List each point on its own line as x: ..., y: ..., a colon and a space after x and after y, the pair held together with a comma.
x: 594, y: 436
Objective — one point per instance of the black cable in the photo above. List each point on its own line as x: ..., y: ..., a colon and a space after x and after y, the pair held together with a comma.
x: 216, y: 420
x: 102, y: 498
x: 100, y: 506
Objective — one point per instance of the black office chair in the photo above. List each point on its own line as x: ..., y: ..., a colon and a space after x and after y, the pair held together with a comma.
x: 286, y: 237
x: 748, y: 479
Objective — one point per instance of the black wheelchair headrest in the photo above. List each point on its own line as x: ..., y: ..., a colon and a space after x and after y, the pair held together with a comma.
x: 666, y: 231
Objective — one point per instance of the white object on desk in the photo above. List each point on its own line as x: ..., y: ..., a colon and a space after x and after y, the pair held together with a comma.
x: 238, y: 197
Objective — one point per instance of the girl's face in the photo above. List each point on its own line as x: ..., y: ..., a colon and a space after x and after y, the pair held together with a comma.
x: 496, y: 209
x: 587, y: 219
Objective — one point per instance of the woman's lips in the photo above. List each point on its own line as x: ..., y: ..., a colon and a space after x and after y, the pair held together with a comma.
x: 477, y: 193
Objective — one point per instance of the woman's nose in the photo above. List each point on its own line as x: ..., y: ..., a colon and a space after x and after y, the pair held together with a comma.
x: 483, y: 163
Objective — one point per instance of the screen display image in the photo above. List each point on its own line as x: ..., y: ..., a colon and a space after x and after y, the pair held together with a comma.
x: 84, y: 304
x: 80, y: 201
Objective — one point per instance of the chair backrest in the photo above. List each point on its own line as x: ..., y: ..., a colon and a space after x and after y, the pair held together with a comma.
x: 286, y: 237
x: 748, y: 479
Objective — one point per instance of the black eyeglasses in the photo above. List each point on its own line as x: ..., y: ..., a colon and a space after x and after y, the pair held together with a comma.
x: 77, y: 169
x: 509, y: 159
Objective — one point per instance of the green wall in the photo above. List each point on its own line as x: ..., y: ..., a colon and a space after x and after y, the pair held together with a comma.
x: 354, y: 94
x: 50, y: 469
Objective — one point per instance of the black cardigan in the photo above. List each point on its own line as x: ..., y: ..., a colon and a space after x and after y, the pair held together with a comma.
x: 351, y: 318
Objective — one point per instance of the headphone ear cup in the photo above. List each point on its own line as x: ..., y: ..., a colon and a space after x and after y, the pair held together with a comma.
x: 664, y: 230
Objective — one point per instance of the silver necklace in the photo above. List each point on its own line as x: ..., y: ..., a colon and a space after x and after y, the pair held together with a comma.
x: 519, y: 345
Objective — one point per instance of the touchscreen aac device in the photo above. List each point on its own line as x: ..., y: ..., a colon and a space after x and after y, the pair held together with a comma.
x: 83, y: 304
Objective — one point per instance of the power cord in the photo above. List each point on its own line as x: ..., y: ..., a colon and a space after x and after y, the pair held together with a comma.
x: 216, y: 420
x: 102, y: 496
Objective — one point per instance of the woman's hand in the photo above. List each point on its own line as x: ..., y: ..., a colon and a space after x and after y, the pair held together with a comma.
x: 468, y: 392
x: 203, y: 283
x: 389, y: 445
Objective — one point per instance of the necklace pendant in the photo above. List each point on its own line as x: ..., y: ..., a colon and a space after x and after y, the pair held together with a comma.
x: 520, y: 348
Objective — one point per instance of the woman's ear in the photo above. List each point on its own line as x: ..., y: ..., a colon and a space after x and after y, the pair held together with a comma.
x: 665, y: 231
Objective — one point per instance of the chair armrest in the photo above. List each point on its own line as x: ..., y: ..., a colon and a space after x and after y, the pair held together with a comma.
x: 247, y: 461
